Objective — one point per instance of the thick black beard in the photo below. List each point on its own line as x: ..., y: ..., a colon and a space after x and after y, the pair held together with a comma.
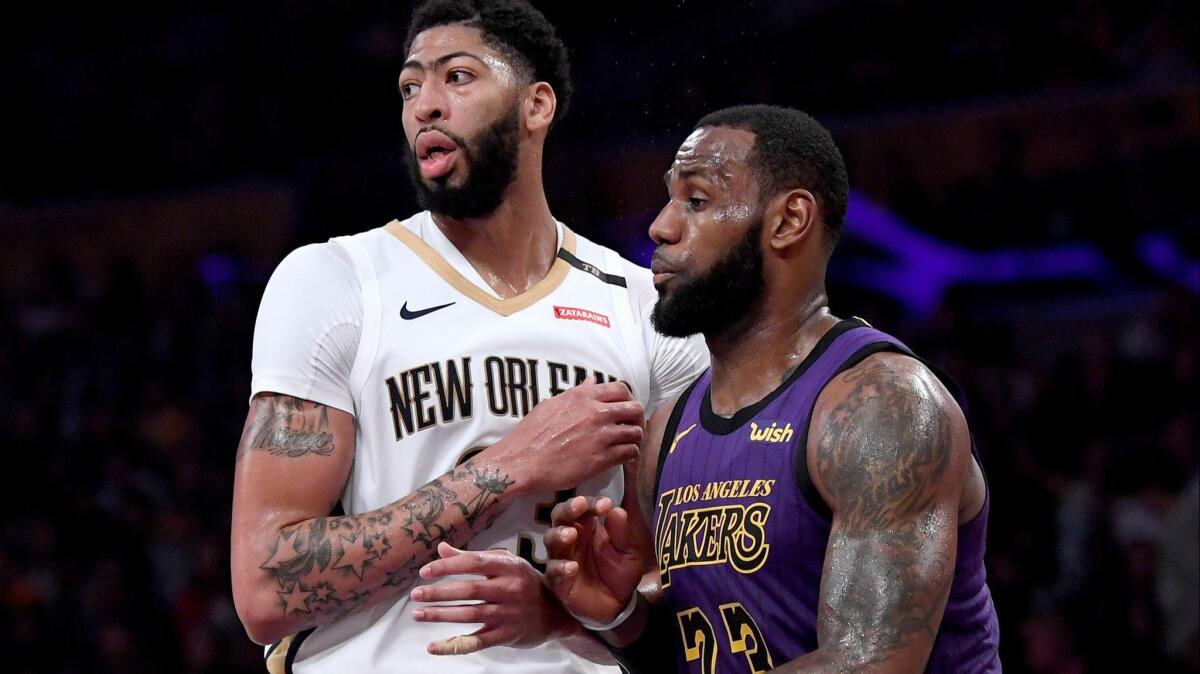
x: 491, y: 164
x: 719, y: 298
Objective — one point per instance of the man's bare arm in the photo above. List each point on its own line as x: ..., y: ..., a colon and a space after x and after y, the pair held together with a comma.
x: 294, y: 567
x: 647, y: 467
x: 890, y: 456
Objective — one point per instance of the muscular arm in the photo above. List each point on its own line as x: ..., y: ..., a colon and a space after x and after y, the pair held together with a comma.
x: 294, y: 567
x: 890, y: 454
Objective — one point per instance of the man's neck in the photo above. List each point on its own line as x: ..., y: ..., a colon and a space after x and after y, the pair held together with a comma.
x: 513, y: 247
x: 754, y: 355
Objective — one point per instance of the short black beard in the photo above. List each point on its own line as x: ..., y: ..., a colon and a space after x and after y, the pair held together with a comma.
x: 491, y: 164
x: 719, y: 298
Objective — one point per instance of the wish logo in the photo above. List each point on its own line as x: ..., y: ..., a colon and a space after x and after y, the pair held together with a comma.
x: 772, y: 433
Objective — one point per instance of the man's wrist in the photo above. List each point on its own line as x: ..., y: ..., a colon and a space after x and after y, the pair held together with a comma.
x: 638, y: 643
x: 629, y: 629
x: 499, y: 456
x: 563, y: 625
x: 627, y: 610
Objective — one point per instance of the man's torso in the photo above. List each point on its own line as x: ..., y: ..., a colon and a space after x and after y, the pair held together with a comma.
x: 741, y: 532
x: 444, y: 369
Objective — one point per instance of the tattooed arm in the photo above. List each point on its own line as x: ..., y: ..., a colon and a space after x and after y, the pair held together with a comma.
x: 889, y: 453
x: 293, y: 567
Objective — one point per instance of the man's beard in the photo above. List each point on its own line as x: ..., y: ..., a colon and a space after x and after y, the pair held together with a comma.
x: 720, y: 297
x: 491, y: 164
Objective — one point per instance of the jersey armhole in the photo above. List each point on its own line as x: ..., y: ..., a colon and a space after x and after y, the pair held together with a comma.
x: 281, y: 655
x: 669, y: 431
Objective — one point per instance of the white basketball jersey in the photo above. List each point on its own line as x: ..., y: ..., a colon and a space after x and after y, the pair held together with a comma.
x: 445, y: 368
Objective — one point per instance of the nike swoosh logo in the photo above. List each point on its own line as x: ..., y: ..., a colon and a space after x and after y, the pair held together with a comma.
x: 409, y: 315
x: 680, y: 437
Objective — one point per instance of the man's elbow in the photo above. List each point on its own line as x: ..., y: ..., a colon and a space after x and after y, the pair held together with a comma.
x: 259, y: 609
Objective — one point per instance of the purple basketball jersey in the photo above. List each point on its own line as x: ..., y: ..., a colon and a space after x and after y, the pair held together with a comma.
x: 740, y: 531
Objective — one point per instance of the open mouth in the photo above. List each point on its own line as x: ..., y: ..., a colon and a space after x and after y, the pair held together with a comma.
x: 435, y: 154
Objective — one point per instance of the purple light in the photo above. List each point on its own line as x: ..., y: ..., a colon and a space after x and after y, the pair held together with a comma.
x: 216, y: 270
x: 1163, y: 256
x: 923, y: 268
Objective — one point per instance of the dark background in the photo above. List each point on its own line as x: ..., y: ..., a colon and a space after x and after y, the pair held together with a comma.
x: 1024, y: 215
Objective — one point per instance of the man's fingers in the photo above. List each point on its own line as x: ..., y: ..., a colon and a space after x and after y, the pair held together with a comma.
x: 599, y: 539
x: 560, y: 541
x: 623, y: 434
x: 471, y: 613
x: 465, y: 643
x: 616, y: 524
x: 626, y: 412
x: 566, y: 512
x: 558, y: 570
x: 624, y: 453
x: 485, y: 563
x: 572, y: 510
x: 612, y: 392
x: 602, y: 505
x: 480, y: 590
x: 561, y: 575
x: 446, y: 550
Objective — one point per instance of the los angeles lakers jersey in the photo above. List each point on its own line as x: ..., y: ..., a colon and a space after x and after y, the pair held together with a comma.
x: 741, y: 532
x: 442, y: 369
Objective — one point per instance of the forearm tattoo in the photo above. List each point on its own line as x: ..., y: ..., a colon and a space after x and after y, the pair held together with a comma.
x: 330, y: 566
x: 288, y: 426
x: 889, y: 563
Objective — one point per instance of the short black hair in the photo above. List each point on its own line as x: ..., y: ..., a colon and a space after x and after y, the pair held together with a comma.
x: 512, y: 27
x: 791, y: 149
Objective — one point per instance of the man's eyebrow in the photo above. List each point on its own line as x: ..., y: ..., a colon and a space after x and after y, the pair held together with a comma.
x: 441, y: 61
x: 706, y: 171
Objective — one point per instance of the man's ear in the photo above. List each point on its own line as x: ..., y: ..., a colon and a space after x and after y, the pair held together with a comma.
x: 793, y: 218
x: 538, y: 106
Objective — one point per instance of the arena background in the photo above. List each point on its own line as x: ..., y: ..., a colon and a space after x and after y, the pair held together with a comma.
x: 1024, y: 213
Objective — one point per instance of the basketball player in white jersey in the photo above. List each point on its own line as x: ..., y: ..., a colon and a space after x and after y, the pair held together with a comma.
x: 442, y: 381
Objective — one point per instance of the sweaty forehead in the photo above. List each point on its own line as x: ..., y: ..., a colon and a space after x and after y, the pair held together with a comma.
x: 431, y: 47
x: 717, y: 150
x: 435, y: 42
x: 449, y: 37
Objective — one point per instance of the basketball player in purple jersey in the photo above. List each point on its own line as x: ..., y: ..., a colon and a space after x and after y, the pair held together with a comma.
x: 816, y: 503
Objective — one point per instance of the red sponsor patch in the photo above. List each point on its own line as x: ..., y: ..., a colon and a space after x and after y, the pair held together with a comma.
x: 577, y: 314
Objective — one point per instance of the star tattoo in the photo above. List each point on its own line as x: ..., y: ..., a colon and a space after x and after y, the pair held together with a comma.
x: 295, y: 599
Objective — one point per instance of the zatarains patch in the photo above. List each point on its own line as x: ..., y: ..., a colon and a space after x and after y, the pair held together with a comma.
x: 577, y: 314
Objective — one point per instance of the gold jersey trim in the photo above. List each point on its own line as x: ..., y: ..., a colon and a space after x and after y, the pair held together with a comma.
x: 505, y: 307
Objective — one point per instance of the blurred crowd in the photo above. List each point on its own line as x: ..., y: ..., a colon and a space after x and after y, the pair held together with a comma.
x: 141, y: 98
x: 125, y: 385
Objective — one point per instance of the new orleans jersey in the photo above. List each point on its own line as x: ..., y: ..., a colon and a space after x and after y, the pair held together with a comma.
x: 396, y: 327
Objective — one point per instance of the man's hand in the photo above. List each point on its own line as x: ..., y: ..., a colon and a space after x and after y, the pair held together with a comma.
x: 594, y: 562
x: 514, y: 606
x: 572, y: 437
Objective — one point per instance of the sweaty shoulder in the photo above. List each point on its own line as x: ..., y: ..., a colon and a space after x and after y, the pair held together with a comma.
x: 308, y: 327
x: 888, y: 421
